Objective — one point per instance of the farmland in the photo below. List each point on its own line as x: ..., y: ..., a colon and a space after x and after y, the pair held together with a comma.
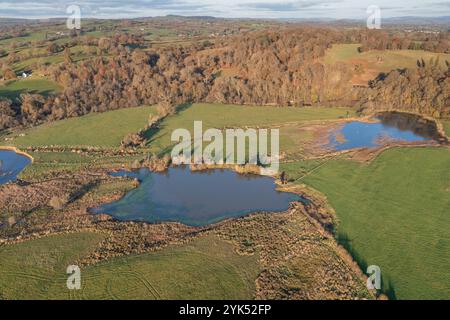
x: 204, y: 268
x: 108, y: 129
x: 96, y: 129
x: 393, y: 213
x: 368, y: 192
x: 13, y: 89
x: 369, y: 64
x: 288, y: 120
x: 29, y: 269
x: 358, y: 192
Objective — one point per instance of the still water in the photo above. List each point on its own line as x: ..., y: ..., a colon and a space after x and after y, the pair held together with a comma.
x: 11, y: 164
x: 196, y: 198
x: 357, y: 134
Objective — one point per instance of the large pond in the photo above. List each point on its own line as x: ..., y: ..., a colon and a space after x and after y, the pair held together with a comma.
x: 386, y: 127
x: 196, y: 198
x: 11, y: 164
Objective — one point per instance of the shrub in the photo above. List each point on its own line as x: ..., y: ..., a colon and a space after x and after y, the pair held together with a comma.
x: 133, y: 140
x: 59, y: 202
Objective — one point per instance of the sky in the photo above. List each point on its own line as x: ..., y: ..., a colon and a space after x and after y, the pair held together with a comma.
x: 337, y: 9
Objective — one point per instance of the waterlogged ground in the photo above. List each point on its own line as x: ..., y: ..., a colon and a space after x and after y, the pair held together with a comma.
x: 196, y: 198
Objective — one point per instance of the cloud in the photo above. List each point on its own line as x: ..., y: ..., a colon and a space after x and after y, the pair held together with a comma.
x: 279, y: 6
x: 353, y: 9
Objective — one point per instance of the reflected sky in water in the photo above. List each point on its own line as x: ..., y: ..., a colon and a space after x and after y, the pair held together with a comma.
x: 196, y: 198
x: 11, y: 164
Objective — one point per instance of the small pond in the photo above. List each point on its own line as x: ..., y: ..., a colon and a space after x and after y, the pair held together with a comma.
x: 11, y: 164
x: 386, y: 127
x: 196, y: 198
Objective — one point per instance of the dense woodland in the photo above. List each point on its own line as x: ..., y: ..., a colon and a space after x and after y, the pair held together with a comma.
x: 281, y: 67
x: 424, y: 90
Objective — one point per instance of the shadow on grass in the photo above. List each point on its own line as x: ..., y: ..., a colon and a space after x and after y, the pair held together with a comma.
x: 387, y: 287
x: 78, y: 194
x: 150, y: 134
x: 14, y: 95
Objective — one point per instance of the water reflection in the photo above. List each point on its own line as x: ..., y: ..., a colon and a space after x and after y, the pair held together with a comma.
x: 11, y: 164
x: 196, y: 198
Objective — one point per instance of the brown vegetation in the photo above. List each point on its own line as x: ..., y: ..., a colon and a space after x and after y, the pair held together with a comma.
x: 280, y: 67
x: 299, y: 259
x: 425, y: 90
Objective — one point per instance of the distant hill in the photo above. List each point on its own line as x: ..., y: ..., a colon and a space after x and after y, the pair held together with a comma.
x: 406, y: 20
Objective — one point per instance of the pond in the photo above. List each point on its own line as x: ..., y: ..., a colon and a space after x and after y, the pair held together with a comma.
x: 386, y: 127
x: 196, y: 198
x: 11, y: 164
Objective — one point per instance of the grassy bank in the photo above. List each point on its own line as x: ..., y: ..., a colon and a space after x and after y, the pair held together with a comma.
x: 394, y: 214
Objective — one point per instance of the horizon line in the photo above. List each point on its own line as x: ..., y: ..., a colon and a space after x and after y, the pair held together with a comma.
x: 225, y: 18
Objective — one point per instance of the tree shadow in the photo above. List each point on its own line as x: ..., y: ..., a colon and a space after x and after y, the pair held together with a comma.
x: 79, y: 193
x: 183, y: 106
x: 387, y: 288
x: 14, y: 95
x: 150, y: 133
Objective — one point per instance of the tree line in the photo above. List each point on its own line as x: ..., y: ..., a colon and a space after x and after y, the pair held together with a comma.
x: 281, y: 67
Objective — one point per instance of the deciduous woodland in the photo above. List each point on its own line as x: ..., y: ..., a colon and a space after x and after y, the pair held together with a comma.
x: 282, y: 67
x: 361, y: 182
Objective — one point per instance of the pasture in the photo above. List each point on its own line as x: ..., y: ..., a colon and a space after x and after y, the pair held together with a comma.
x: 205, y: 268
x: 13, y: 89
x: 373, y: 62
x: 221, y: 116
x: 108, y: 129
x: 95, y: 129
x: 394, y: 213
x: 30, y: 269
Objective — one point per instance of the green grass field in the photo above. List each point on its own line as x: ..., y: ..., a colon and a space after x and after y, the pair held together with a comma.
x: 95, y: 129
x: 395, y: 212
x: 391, y: 59
x: 206, y: 268
x: 371, y: 63
x: 32, y: 36
x: 12, y: 90
x: 223, y: 116
x: 78, y: 53
x: 108, y: 129
x: 30, y: 269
